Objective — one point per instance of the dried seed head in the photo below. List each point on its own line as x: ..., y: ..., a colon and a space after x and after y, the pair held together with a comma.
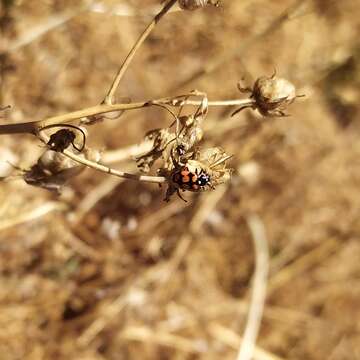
x: 214, y: 161
x: 273, y: 95
x: 53, y: 163
x: 161, y: 138
x: 52, y: 171
x: 196, y: 4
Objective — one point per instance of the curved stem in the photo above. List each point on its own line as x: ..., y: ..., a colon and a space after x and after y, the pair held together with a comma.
x: 111, y: 171
x: 105, y: 169
x: 111, y: 93
x: 258, y: 294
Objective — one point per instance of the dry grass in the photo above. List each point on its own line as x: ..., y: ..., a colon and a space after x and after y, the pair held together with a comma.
x: 109, y: 271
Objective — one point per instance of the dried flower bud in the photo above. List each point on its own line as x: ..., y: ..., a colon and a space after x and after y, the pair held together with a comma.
x: 270, y: 95
x: 52, y: 171
x: 196, y: 4
x: 161, y: 138
x: 273, y: 95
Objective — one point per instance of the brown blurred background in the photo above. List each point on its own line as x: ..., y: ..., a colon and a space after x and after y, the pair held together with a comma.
x: 108, y: 270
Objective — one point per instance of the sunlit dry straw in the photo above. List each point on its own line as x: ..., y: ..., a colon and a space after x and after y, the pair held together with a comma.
x: 52, y: 22
x: 230, y: 338
x: 304, y: 262
x: 32, y: 215
x: 259, y: 288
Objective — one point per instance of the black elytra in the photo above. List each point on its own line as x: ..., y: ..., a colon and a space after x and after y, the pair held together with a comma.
x: 61, y: 140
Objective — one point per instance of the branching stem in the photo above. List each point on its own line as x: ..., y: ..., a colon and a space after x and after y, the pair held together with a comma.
x: 105, y: 169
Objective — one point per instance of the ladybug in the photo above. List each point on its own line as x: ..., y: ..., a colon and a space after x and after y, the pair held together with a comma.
x: 192, y: 181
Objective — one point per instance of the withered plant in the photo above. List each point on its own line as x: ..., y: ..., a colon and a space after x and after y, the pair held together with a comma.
x: 184, y: 163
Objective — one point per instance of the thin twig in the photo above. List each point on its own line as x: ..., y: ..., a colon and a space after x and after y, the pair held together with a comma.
x: 107, y: 170
x: 304, y: 262
x: 31, y: 215
x: 111, y: 171
x: 33, y: 127
x: 259, y: 288
x: 111, y: 93
x: 232, y: 339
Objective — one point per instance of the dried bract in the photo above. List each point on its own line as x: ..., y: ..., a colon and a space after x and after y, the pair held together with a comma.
x: 52, y: 171
x: 196, y: 4
x: 176, y: 147
x: 161, y: 139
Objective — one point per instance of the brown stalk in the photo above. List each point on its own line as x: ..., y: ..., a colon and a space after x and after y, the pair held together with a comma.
x: 111, y: 93
x: 33, y: 127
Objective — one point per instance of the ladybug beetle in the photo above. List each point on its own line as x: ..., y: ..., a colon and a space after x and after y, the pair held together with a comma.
x: 192, y: 181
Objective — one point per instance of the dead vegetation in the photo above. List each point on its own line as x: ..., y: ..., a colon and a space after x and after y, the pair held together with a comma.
x: 107, y: 270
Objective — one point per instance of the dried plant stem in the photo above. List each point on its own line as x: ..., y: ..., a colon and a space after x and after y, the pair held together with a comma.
x: 111, y: 171
x: 259, y: 288
x: 304, y: 262
x: 162, y: 338
x: 33, y: 127
x: 233, y: 340
x: 105, y: 169
x: 111, y: 93
x: 32, y: 215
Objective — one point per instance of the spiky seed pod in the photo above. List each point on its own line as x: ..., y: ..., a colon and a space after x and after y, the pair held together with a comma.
x: 273, y: 95
x: 196, y: 4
